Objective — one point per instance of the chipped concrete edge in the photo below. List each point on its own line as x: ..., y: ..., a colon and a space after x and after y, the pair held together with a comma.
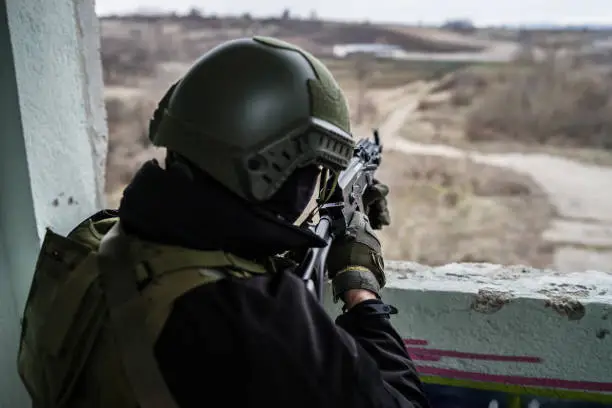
x: 499, y: 284
x: 481, y: 316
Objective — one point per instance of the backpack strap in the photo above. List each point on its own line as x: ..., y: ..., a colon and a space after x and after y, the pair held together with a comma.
x: 126, y: 311
x: 162, y: 260
x: 91, y: 230
x: 164, y: 273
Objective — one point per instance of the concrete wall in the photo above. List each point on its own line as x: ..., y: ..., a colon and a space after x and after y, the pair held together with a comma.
x: 52, y: 149
x: 514, y: 335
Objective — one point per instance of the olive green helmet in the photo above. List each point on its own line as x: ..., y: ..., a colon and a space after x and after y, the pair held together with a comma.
x: 251, y: 111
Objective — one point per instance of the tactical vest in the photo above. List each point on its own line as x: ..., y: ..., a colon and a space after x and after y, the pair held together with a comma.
x: 87, y: 338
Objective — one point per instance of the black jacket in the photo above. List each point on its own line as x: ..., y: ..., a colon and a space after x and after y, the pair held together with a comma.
x: 264, y: 341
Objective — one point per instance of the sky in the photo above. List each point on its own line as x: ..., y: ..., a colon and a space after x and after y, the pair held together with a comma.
x: 481, y: 12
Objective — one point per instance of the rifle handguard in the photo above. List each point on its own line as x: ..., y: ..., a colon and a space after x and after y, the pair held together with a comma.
x: 352, y: 257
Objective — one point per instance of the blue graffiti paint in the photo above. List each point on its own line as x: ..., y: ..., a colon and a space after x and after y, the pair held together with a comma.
x: 445, y: 396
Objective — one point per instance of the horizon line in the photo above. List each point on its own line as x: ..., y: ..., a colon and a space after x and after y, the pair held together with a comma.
x: 542, y: 24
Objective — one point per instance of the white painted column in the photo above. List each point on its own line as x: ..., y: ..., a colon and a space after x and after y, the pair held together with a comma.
x: 52, y: 146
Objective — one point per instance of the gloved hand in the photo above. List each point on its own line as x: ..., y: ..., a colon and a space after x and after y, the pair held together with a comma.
x: 375, y: 203
x: 354, y: 260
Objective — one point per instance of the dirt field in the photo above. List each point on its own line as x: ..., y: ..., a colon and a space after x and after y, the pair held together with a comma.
x: 454, y: 197
x: 577, y: 182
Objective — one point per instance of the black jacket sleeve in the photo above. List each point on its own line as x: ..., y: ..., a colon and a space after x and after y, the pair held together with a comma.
x: 368, y: 323
x: 266, y: 341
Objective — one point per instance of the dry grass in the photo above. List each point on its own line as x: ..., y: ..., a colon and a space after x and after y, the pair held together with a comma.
x: 555, y: 103
x: 550, y: 103
x: 443, y: 210
x: 449, y: 210
x: 129, y: 144
x: 551, y: 107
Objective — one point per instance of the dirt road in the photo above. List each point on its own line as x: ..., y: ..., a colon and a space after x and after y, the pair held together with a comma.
x: 581, y: 193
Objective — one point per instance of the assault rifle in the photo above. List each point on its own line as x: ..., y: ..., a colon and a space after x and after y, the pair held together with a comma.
x: 337, y: 212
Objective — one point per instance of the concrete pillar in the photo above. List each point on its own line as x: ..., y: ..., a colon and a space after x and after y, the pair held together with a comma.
x: 52, y: 146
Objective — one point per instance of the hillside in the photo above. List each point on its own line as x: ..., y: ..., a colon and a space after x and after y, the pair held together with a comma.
x: 200, y: 33
x: 466, y: 185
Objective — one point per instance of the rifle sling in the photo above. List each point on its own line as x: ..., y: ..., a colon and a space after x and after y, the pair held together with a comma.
x: 127, y: 312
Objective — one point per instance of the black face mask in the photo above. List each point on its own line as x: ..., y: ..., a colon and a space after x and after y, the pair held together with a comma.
x: 294, y: 195
x: 288, y: 202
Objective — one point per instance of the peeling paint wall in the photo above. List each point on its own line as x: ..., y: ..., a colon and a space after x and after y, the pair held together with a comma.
x: 514, y: 335
x: 52, y: 146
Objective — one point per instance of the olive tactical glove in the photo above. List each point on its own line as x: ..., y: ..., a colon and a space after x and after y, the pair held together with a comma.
x: 354, y: 260
x: 375, y: 203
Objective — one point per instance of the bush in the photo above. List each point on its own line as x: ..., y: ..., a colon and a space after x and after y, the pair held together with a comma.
x: 125, y: 58
x: 549, y: 102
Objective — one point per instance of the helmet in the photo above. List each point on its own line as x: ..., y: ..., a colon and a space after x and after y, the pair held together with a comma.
x: 251, y: 111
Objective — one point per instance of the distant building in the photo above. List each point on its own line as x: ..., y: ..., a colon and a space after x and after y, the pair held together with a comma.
x: 377, y: 50
x: 462, y: 26
x: 602, y: 44
x: 598, y: 52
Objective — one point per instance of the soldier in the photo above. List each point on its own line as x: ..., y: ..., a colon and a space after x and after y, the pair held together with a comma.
x: 185, y: 297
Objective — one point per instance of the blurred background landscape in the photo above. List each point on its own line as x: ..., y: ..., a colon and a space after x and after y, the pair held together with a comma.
x: 498, y: 138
